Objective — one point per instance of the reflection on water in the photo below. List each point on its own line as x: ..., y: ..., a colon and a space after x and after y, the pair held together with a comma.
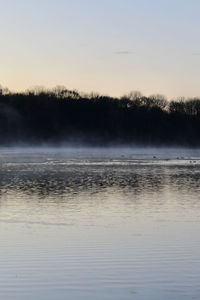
x: 99, y: 224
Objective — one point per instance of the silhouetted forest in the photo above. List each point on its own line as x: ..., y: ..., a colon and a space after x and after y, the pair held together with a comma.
x: 59, y: 116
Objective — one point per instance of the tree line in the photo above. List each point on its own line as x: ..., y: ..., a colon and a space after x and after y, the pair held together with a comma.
x: 59, y: 115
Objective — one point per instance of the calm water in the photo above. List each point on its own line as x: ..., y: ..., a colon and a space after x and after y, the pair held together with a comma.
x: 99, y: 224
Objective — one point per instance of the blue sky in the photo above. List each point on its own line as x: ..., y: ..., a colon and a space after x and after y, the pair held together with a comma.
x: 106, y: 46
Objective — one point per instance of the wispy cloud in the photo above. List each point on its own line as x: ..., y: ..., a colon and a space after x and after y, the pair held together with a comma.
x: 196, y: 53
x: 124, y: 52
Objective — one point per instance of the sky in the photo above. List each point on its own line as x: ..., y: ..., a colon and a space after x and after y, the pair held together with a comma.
x: 106, y: 46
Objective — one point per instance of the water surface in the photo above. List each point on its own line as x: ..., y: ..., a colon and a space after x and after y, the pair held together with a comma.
x: 106, y: 224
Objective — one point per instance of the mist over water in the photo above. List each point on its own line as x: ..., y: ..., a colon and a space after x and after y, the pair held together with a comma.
x: 99, y: 223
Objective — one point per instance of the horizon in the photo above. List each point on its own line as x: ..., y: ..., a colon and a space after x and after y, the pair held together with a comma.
x: 39, y: 88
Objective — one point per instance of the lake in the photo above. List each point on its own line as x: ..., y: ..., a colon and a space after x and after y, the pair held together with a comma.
x: 106, y: 224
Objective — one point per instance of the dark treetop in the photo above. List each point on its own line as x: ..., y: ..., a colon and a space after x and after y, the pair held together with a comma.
x: 62, y: 116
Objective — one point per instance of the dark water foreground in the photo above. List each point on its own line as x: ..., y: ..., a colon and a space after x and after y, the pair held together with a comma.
x: 99, y: 224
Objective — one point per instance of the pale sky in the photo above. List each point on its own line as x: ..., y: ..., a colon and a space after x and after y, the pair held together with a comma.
x: 106, y: 46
